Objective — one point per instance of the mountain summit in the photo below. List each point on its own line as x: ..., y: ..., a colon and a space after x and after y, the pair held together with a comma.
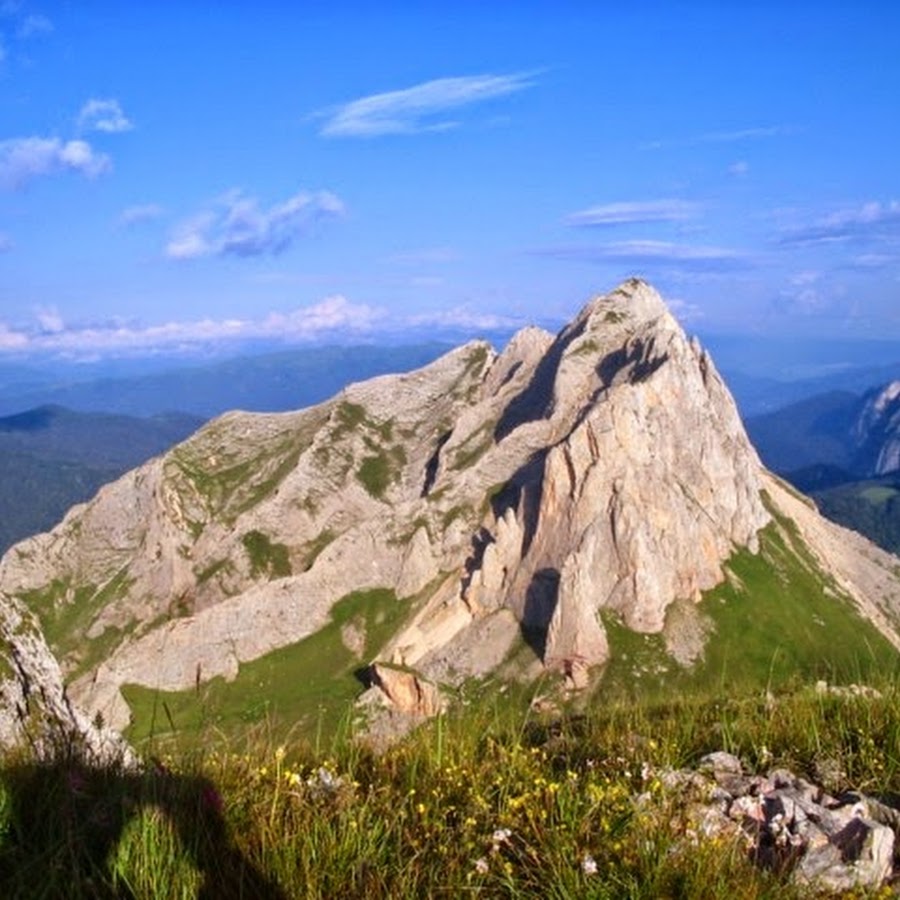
x: 486, y: 513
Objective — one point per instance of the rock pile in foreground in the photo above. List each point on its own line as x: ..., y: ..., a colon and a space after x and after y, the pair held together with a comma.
x: 786, y: 823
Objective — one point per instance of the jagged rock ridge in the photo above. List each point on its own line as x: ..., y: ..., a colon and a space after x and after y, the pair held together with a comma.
x: 601, y: 472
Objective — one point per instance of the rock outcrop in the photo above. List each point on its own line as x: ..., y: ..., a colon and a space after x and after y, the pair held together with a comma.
x: 529, y: 494
x: 35, y: 714
x: 784, y: 822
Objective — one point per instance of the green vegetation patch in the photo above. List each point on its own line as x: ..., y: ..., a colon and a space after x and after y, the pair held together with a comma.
x: 878, y: 494
x: 378, y: 471
x: 473, y: 447
x: 301, y: 688
x: 213, y: 569
x: 66, y: 614
x: 870, y: 507
x: 266, y: 559
x: 587, y: 347
x: 775, y: 619
x: 231, y: 474
x: 313, y: 548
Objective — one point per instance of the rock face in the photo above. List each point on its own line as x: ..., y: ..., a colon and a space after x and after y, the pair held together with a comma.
x: 876, y: 432
x: 35, y: 714
x: 601, y: 472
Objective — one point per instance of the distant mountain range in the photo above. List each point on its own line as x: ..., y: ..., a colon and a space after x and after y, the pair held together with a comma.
x: 52, y: 458
x: 268, y: 382
x: 842, y: 449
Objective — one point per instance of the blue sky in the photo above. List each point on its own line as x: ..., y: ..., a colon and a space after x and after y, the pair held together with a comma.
x: 180, y: 173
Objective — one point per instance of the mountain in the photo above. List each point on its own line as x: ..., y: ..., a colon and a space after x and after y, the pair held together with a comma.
x: 844, y: 451
x: 584, y: 507
x: 52, y: 458
x: 859, y: 434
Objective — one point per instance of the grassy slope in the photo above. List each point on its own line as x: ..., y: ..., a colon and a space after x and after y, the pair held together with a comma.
x: 485, y: 802
x: 775, y: 619
x: 305, y: 688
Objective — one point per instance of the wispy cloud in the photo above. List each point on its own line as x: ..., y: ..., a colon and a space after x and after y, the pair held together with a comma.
x: 632, y: 212
x: 871, y: 221
x: 135, y: 215
x: 237, y: 226
x: 803, y: 295
x: 739, y: 169
x: 640, y: 253
x: 684, y: 310
x: 6, y: 243
x: 103, y: 115
x: 33, y: 25
x: 24, y: 159
x: 418, y: 108
x: 721, y: 137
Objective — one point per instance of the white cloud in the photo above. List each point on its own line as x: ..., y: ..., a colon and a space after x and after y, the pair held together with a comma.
x: 462, y: 317
x: 6, y: 243
x: 643, y: 253
x: 870, y: 221
x: 103, y: 115
x: 23, y: 159
x: 134, y: 215
x: 721, y: 137
x: 874, y: 261
x: 33, y: 25
x: 237, y: 226
x: 739, y: 169
x: 631, y: 212
x: 684, y: 310
x: 11, y: 339
x: 332, y: 316
x: 418, y: 108
x: 50, y: 321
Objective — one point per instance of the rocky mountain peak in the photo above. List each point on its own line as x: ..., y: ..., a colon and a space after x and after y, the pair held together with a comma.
x: 444, y: 518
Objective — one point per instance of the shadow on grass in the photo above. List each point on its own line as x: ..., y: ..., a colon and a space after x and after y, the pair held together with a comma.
x: 64, y: 822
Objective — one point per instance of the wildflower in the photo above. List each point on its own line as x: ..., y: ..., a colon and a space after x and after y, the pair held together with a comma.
x: 481, y: 866
x: 279, y: 753
x: 500, y: 837
x: 588, y: 864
